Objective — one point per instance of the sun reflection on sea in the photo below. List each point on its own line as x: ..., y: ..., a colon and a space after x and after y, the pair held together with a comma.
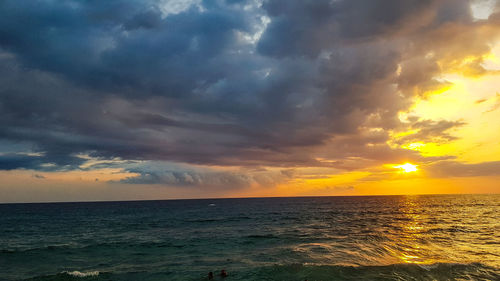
x: 412, y: 233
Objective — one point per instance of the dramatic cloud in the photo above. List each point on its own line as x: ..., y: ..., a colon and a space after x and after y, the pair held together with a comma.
x: 175, y: 175
x: 431, y: 131
x: 270, y: 83
x: 40, y: 162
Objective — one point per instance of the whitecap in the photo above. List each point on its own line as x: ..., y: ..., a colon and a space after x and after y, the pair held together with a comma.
x: 82, y: 274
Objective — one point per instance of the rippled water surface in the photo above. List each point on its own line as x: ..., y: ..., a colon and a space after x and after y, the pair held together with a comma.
x: 442, y: 237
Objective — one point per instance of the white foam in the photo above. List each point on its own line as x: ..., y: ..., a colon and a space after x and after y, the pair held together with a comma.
x: 428, y: 267
x: 82, y: 274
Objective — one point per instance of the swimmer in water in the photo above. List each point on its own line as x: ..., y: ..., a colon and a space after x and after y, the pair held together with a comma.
x: 223, y: 273
x: 210, y: 275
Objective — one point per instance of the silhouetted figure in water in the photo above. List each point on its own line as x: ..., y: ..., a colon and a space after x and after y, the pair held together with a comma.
x: 223, y: 273
x: 210, y: 275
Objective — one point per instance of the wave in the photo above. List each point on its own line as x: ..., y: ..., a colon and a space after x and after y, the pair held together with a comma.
x: 437, y: 271
x: 222, y: 219
x: 300, y: 272
x: 71, y: 275
x: 78, y: 247
x: 264, y: 236
x: 82, y: 274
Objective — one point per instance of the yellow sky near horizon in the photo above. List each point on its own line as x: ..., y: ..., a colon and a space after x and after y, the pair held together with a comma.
x: 472, y: 100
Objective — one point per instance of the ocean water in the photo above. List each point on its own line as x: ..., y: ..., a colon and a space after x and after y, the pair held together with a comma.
x: 440, y: 237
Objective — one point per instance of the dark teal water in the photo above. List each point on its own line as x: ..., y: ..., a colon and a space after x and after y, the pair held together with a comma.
x: 444, y: 237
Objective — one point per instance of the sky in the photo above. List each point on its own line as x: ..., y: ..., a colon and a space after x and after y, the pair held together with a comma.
x: 165, y: 99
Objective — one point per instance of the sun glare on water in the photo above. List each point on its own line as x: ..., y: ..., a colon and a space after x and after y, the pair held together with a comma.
x: 407, y: 168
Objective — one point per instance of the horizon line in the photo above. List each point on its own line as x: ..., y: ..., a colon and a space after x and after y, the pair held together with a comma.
x: 223, y: 198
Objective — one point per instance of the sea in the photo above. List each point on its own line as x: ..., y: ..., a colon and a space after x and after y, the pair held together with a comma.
x: 425, y: 237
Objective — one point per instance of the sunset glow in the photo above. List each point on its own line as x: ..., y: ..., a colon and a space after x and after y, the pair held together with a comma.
x: 407, y: 168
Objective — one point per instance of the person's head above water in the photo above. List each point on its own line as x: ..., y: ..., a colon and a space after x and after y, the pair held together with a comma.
x: 223, y: 273
x: 210, y: 275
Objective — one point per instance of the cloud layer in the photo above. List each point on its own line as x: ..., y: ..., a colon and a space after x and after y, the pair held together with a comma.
x: 229, y: 83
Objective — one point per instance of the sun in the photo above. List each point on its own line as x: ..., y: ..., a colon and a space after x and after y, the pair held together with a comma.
x: 407, y: 167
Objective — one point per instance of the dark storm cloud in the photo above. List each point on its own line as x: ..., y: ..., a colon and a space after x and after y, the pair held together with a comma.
x: 175, y: 175
x: 37, y: 162
x: 188, y: 178
x: 122, y: 46
x: 308, y: 27
x: 123, y: 79
x: 15, y: 161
